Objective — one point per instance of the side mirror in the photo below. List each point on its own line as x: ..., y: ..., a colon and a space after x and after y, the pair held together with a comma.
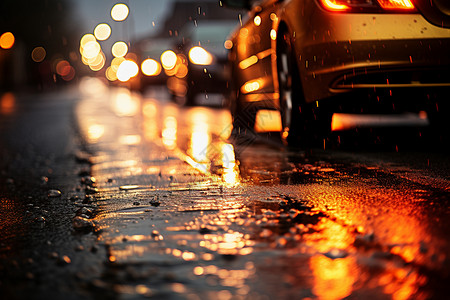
x: 239, y: 4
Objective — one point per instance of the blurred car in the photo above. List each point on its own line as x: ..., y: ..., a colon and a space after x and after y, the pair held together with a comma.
x: 331, y: 65
x: 148, y: 56
x: 201, y: 60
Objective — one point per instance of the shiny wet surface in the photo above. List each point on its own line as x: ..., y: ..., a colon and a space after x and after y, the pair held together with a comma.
x: 185, y: 213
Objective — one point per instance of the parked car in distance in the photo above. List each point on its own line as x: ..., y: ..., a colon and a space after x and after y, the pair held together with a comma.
x: 148, y: 54
x: 201, y: 64
x: 332, y: 65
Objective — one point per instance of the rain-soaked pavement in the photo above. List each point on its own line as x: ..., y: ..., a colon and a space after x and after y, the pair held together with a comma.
x: 160, y: 203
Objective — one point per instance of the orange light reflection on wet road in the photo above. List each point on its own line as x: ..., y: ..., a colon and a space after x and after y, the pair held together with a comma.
x: 7, y: 103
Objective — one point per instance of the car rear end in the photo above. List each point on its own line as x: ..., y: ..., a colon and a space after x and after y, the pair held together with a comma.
x: 391, y: 53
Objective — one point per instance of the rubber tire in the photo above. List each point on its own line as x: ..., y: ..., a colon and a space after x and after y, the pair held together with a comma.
x: 298, y: 117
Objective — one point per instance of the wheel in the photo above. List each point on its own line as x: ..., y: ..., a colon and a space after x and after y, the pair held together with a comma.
x: 244, y: 118
x: 298, y: 118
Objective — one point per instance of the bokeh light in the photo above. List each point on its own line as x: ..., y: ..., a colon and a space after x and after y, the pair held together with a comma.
x: 200, y: 56
x: 150, y: 67
x: 91, y: 49
x: 119, y: 12
x: 88, y: 37
x: 98, y: 63
x: 102, y: 31
x: 115, y: 63
x: 111, y: 74
x: 38, y: 54
x: 119, y: 49
x: 127, y: 70
x: 7, y: 40
x: 168, y: 59
x: 7, y: 103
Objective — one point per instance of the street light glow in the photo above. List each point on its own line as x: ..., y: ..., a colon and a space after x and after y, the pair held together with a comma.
x: 38, y: 54
x: 7, y: 40
x: 119, y: 49
x: 102, y: 31
x: 91, y: 49
x: 168, y: 59
x: 150, y: 67
x: 119, y: 12
x: 127, y: 70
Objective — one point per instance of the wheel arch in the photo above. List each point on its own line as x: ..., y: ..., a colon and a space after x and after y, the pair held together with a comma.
x: 282, y: 28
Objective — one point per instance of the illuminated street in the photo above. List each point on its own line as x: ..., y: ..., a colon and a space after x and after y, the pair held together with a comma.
x: 175, y: 209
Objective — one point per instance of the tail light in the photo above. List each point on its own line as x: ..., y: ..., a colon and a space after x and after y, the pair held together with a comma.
x: 367, y: 5
x: 396, y: 4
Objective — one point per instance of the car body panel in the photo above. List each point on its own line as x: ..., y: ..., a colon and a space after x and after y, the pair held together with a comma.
x: 332, y: 47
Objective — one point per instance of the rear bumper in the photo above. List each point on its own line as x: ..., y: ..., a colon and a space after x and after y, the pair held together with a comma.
x: 376, y: 65
x: 339, y: 53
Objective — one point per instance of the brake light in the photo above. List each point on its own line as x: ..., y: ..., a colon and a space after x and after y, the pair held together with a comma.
x: 364, y: 6
x: 396, y: 4
x: 334, y: 5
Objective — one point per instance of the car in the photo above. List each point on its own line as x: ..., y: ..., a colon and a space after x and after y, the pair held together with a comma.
x: 201, y: 64
x: 332, y: 65
x: 148, y: 52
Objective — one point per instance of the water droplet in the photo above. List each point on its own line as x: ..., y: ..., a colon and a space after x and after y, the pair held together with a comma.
x: 80, y: 223
x: 128, y: 187
x: 54, y: 193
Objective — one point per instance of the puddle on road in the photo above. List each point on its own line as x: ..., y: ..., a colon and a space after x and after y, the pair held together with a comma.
x: 252, y: 222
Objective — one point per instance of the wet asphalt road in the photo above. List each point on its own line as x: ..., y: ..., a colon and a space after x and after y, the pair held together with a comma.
x: 180, y: 211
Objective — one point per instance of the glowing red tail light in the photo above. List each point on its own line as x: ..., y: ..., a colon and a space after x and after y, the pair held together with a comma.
x: 334, y: 5
x: 396, y: 4
x: 364, y: 6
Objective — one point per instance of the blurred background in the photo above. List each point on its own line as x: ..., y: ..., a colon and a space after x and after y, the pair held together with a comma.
x: 52, y: 43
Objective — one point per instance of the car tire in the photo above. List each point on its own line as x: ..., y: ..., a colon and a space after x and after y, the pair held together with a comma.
x: 299, y: 119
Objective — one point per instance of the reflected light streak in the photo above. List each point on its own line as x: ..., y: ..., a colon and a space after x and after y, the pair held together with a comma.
x: 93, y: 87
x: 230, y: 168
x: 95, y: 132
x: 333, y: 279
x: 169, y: 132
x: 125, y: 104
x: 200, y: 140
x: 231, y: 243
x: 131, y: 139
